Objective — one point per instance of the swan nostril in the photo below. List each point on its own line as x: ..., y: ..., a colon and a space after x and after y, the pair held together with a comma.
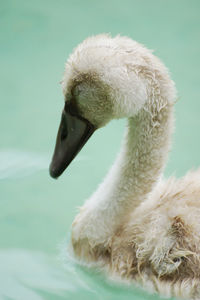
x: 64, y: 133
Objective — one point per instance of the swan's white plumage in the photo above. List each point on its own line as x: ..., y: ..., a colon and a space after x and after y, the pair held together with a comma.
x: 136, y: 224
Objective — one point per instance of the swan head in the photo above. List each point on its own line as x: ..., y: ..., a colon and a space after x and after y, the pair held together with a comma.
x: 101, y: 77
x: 101, y: 82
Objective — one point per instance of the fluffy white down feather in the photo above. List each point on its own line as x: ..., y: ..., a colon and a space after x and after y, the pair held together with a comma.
x: 136, y: 225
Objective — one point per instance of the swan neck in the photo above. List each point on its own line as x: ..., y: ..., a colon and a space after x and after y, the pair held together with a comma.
x: 136, y: 170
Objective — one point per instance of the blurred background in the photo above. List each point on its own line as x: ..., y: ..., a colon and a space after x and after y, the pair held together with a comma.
x: 36, y: 211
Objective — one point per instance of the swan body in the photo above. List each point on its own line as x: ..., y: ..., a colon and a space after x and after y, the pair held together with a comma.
x: 137, y: 225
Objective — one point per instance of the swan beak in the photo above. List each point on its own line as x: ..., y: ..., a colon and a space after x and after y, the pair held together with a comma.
x: 73, y: 133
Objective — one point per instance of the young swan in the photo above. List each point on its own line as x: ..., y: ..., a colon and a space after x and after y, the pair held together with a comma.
x: 135, y: 225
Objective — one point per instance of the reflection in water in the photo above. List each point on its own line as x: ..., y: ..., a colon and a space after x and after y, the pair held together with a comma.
x: 28, y: 275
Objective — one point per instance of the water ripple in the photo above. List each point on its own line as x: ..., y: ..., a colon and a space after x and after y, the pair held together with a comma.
x: 17, y: 164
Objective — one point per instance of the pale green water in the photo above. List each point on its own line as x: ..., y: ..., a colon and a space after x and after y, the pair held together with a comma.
x: 36, y: 212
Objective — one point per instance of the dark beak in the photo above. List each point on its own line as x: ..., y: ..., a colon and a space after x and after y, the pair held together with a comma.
x: 73, y: 133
